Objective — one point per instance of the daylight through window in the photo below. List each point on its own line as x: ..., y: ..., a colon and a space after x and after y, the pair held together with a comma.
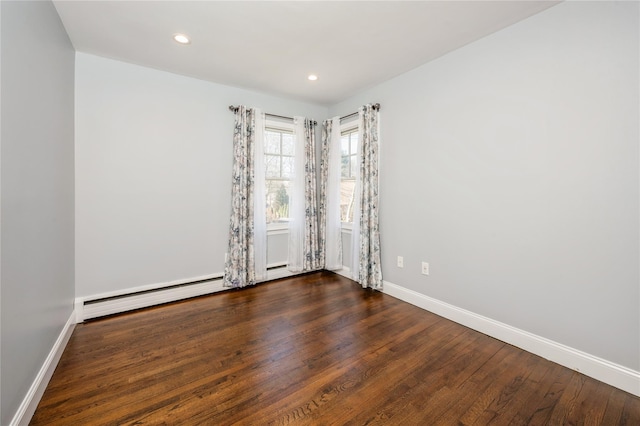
x: 279, y: 156
x: 349, y: 164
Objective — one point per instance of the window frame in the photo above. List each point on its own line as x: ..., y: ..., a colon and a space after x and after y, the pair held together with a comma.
x: 352, y: 126
x: 278, y: 126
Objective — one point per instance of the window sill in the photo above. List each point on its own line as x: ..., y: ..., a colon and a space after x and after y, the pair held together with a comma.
x: 277, y: 229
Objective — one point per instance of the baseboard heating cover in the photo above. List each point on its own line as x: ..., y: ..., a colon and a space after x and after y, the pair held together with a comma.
x: 115, y: 302
x: 141, y: 297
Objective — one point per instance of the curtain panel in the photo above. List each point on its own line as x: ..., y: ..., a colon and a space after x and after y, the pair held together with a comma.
x: 330, y: 228
x: 260, y: 195
x: 369, y: 271
x: 240, y: 265
x: 304, y: 252
x: 315, y: 234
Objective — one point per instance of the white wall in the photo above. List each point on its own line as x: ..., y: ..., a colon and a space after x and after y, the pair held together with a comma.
x: 153, y: 171
x: 512, y: 166
x: 36, y: 194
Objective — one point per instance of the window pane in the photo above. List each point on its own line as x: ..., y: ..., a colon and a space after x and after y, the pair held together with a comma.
x: 344, y: 145
x: 346, y: 200
x: 287, y: 144
x: 277, y: 201
x: 272, y: 142
x: 344, y: 172
x: 349, y: 165
x: 354, y: 143
x: 354, y: 165
x: 287, y: 167
x: 272, y: 166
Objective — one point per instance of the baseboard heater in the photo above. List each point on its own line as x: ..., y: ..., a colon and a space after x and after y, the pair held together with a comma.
x: 143, y: 297
x: 95, y: 307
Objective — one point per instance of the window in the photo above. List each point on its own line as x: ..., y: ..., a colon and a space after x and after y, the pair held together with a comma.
x: 279, y: 160
x: 349, y: 164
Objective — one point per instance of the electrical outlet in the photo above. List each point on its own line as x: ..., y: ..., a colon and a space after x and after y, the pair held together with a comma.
x: 425, y: 268
x: 400, y: 262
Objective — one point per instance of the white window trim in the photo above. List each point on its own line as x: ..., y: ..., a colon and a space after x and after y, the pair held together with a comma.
x: 279, y: 227
x: 346, y: 227
x: 279, y: 125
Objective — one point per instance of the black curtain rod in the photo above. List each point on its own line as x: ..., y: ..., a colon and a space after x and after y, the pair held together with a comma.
x: 374, y: 106
x: 235, y: 108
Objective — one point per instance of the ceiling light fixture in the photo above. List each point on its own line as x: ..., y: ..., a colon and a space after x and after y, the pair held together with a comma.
x: 312, y: 77
x: 181, y: 38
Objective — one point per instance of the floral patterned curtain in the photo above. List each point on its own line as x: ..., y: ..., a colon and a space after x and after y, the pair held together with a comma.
x: 322, y: 205
x: 239, y: 269
x: 369, y: 269
x: 304, y: 252
x: 311, y: 248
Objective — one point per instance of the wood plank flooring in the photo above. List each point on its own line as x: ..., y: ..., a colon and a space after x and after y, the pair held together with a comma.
x: 311, y: 350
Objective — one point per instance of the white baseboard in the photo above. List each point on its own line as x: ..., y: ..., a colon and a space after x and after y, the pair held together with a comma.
x: 600, y: 369
x: 275, y: 274
x: 345, y: 272
x: 39, y: 385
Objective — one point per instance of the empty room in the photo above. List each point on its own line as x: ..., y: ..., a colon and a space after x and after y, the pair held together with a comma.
x: 319, y: 212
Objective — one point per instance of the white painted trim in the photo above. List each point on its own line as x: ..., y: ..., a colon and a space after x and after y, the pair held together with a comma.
x: 600, y: 369
x: 79, y: 310
x: 143, y: 300
x: 36, y: 390
x: 275, y: 274
x: 277, y: 229
x: 345, y: 272
x: 279, y: 270
x: 277, y: 265
x: 148, y: 287
x: 346, y: 228
x: 278, y: 123
x: 128, y: 300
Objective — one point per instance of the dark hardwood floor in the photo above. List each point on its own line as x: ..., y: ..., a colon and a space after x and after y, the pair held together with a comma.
x: 316, y: 350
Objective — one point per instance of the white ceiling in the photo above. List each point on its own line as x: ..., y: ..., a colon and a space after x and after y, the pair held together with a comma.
x: 272, y: 46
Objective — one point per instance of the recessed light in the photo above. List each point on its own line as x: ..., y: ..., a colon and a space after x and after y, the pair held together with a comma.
x: 181, y: 38
x: 312, y: 77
